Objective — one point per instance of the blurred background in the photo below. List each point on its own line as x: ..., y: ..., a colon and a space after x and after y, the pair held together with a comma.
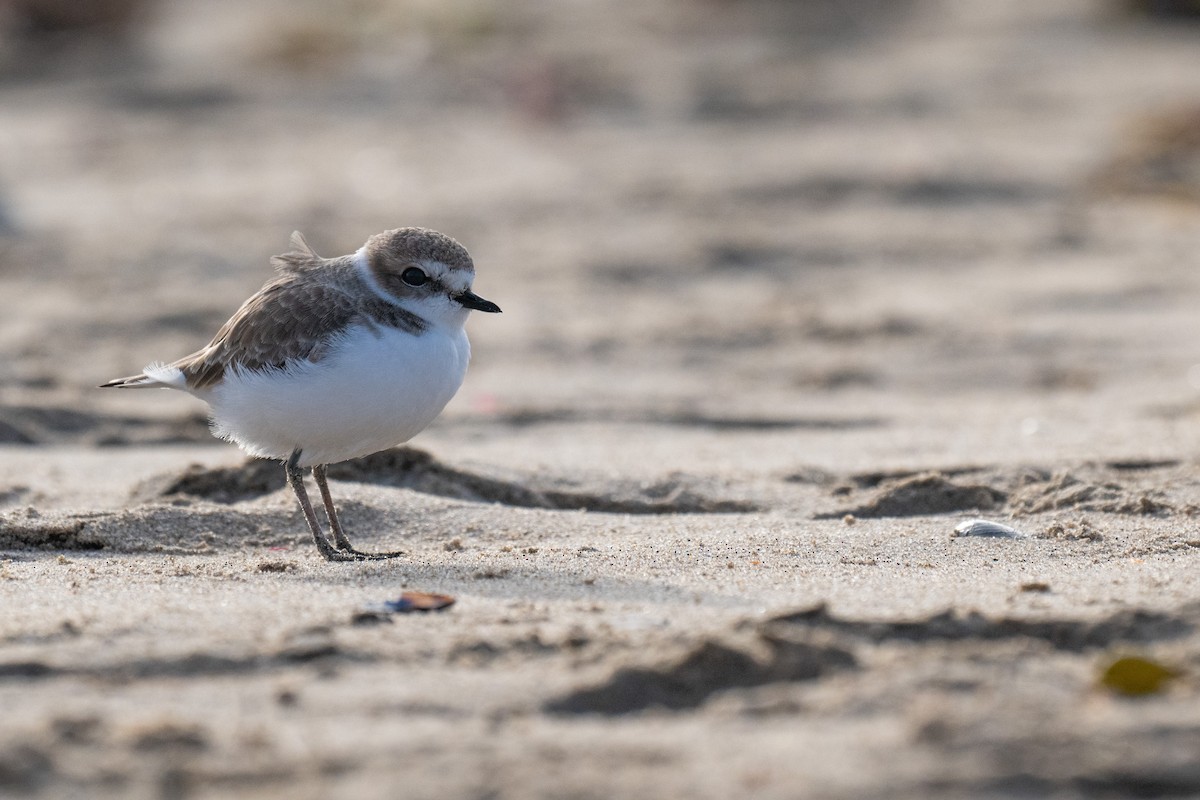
x: 735, y: 214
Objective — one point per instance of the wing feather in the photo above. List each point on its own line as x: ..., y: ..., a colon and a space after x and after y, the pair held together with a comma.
x: 288, y: 319
x: 300, y: 257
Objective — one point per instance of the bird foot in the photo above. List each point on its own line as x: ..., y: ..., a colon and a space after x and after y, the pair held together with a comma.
x: 350, y: 554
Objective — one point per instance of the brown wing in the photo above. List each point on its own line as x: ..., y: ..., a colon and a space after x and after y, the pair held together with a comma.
x: 288, y: 319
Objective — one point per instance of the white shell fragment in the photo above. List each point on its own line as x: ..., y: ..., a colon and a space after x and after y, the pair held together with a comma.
x: 985, y: 527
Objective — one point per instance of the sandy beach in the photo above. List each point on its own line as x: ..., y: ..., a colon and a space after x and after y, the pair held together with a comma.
x: 792, y: 291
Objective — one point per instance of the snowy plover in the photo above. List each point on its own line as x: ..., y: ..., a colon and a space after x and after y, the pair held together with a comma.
x: 336, y: 358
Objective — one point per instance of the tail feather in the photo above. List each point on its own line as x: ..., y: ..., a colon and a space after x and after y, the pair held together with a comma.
x: 142, y: 381
x: 156, y: 376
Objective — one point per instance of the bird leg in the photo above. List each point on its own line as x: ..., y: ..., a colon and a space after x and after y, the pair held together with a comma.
x: 295, y: 479
x: 339, y: 535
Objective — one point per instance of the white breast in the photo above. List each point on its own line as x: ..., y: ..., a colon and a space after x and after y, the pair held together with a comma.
x: 374, y: 390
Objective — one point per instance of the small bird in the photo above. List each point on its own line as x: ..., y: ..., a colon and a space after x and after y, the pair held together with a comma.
x: 336, y: 358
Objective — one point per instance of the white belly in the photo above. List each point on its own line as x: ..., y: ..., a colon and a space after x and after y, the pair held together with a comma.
x: 372, y: 392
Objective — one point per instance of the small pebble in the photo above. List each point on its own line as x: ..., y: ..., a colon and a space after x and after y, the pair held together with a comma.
x: 1134, y: 676
x: 411, y: 601
x: 987, y: 528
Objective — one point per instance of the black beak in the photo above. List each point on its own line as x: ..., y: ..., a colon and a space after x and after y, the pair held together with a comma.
x: 476, y: 303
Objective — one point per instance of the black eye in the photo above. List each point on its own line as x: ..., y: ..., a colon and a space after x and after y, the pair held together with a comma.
x: 414, y: 277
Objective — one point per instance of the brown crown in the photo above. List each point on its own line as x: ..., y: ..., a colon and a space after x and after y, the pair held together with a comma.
x: 408, y: 245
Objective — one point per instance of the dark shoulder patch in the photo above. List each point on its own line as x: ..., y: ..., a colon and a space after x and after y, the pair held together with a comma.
x: 388, y: 315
